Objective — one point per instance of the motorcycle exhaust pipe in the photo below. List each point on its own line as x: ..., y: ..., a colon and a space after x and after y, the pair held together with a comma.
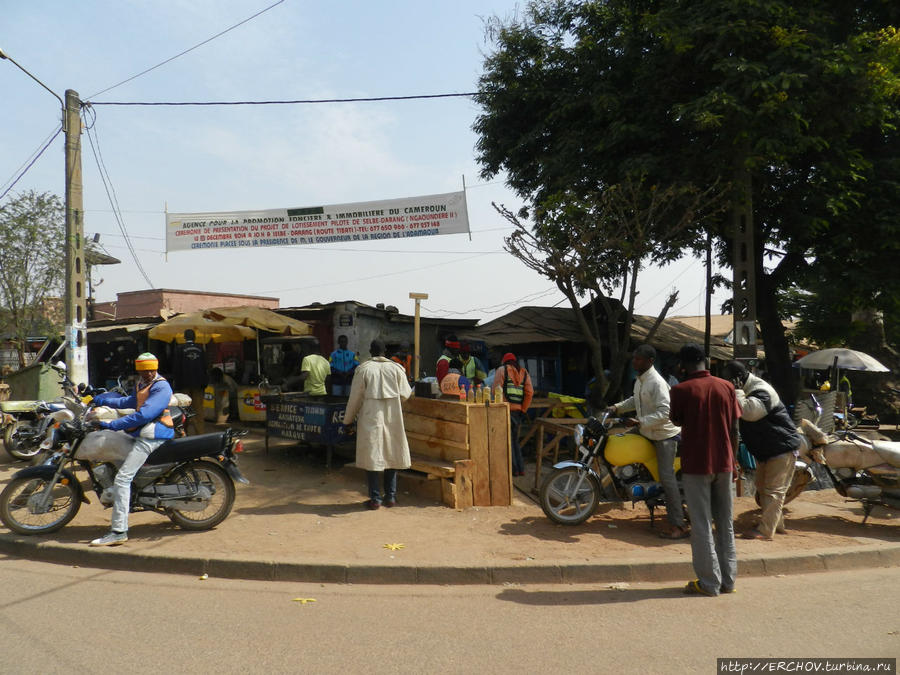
x: 863, y: 491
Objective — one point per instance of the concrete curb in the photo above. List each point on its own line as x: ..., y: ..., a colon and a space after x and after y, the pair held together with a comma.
x: 336, y: 573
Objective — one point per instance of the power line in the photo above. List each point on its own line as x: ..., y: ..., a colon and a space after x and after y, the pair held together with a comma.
x: 144, y: 72
x: 110, y: 191
x: 499, y: 307
x: 365, y: 99
x: 31, y: 163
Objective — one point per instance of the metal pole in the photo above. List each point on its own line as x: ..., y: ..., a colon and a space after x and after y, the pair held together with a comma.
x: 76, y: 310
x: 418, y: 297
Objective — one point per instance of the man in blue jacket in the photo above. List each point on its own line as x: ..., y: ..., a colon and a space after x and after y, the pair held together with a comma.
x: 150, y: 424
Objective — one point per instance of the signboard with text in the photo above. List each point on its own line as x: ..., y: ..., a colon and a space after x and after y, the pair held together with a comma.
x: 362, y: 221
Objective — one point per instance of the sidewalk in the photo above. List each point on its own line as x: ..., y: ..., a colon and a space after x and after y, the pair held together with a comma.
x: 297, y: 521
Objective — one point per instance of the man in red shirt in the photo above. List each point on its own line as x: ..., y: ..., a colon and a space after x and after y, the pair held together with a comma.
x: 706, y: 409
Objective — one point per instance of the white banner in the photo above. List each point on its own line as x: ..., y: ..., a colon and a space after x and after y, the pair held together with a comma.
x: 363, y: 221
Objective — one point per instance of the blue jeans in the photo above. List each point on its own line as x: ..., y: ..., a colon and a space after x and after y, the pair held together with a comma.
x: 390, y: 484
x: 710, y: 500
x: 340, y: 390
x: 515, y: 421
x: 665, y: 458
x: 135, y: 459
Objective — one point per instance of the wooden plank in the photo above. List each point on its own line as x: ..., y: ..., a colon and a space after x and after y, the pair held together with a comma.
x: 463, y: 484
x: 432, y: 426
x: 499, y: 455
x: 478, y: 451
x: 432, y: 466
x: 451, y: 411
x: 435, y: 448
x: 448, y: 492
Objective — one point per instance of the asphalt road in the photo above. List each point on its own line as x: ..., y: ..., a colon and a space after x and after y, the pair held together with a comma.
x: 59, y: 619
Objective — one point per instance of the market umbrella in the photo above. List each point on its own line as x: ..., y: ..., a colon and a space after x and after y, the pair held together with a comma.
x: 846, y: 359
x: 205, y: 330
x: 261, y: 318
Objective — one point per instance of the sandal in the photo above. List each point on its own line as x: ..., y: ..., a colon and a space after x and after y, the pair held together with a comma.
x: 678, y: 533
x: 694, y: 588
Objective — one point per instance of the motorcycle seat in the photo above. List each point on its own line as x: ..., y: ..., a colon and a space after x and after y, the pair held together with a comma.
x: 189, y: 447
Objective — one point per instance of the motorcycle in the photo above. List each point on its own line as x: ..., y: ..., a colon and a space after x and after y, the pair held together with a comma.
x: 572, y: 491
x: 861, y: 469
x: 27, y: 420
x: 189, y: 480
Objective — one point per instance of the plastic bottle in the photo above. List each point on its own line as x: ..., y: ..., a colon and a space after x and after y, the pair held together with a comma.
x: 498, y: 394
x: 487, y: 394
x: 479, y: 394
x: 462, y: 394
x: 470, y: 394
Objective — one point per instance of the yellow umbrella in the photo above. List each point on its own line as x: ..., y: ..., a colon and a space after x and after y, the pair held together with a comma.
x: 261, y: 318
x: 205, y: 330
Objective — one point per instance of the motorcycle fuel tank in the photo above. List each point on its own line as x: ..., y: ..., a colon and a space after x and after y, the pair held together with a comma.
x: 622, y: 449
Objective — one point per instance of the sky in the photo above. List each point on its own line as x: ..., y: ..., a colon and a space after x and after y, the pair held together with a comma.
x: 240, y: 158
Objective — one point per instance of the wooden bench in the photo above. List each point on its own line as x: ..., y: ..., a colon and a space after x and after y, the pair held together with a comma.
x: 455, y: 476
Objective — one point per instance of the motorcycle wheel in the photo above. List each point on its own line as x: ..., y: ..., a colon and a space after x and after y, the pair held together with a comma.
x: 16, y: 445
x: 19, y: 506
x: 565, y: 505
x: 219, y: 483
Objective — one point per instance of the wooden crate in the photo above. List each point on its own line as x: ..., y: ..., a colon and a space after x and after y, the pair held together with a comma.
x: 465, y: 445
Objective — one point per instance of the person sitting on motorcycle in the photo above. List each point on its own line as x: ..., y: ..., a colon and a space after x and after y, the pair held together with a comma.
x: 150, y: 424
x: 651, y: 404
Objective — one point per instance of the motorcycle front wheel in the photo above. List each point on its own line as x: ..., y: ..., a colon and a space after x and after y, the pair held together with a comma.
x: 21, y: 508
x: 221, y: 488
x: 569, y: 497
x: 19, y: 440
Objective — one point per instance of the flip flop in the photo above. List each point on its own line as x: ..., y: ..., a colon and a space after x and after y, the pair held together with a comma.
x: 675, y: 534
x: 694, y: 588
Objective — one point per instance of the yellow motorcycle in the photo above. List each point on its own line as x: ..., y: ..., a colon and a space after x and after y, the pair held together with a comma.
x: 572, y: 491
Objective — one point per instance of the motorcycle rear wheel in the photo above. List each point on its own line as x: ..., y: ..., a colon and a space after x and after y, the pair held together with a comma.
x: 19, y: 506
x: 562, y: 503
x: 16, y: 445
x: 217, y: 480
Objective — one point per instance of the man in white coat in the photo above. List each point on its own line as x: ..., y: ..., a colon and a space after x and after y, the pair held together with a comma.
x: 378, y: 389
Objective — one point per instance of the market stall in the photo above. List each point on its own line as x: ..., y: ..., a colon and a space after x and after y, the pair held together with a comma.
x: 312, y: 420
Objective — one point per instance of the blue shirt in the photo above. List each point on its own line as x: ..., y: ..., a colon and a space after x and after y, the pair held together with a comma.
x: 343, y: 363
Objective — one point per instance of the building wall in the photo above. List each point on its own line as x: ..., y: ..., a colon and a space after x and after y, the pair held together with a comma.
x: 134, y: 304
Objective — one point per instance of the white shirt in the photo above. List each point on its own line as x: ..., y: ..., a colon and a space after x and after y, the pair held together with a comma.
x: 651, y: 405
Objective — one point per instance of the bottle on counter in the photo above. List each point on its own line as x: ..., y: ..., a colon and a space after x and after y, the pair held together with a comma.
x: 498, y: 394
x: 462, y: 394
x: 487, y: 394
x: 479, y: 394
x: 470, y: 394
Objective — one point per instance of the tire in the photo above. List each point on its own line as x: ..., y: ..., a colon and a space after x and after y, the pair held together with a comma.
x: 212, y: 476
x: 559, y: 501
x: 18, y: 447
x: 19, y: 499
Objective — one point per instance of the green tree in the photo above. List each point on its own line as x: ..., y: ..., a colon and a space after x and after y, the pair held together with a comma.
x: 776, y: 98
x: 32, y: 237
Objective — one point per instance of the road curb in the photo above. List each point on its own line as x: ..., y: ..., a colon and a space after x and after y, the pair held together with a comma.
x: 335, y: 573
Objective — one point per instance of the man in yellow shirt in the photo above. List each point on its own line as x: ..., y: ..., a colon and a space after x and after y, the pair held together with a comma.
x: 315, y: 372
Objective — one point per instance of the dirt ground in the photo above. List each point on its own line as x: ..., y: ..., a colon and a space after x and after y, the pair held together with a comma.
x: 297, y: 510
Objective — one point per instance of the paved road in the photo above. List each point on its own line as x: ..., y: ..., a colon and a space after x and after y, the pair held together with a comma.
x: 59, y: 619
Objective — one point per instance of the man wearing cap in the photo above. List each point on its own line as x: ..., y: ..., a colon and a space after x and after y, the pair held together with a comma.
x: 451, y: 351
x: 470, y: 365
x: 518, y: 392
x: 706, y: 409
x: 150, y: 425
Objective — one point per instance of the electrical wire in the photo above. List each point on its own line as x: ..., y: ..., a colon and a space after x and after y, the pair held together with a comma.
x: 110, y: 190
x: 375, y: 276
x: 144, y: 72
x: 31, y: 163
x: 365, y: 99
x: 499, y: 307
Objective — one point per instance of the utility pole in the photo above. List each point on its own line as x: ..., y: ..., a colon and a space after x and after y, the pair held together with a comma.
x: 418, y: 297
x: 76, y: 308
x: 744, y: 271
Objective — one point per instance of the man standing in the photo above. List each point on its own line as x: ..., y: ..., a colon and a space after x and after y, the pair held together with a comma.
x: 150, y: 425
x: 315, y: 372
x: 191, y: 376
x: 376, y: 395
x: 650, y: 403
x: 518, y: 392
x: 343, y: 363
x: 451, y: 351
x: 707, y: 410
x: 772, y: 438
x: 470, y: 366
